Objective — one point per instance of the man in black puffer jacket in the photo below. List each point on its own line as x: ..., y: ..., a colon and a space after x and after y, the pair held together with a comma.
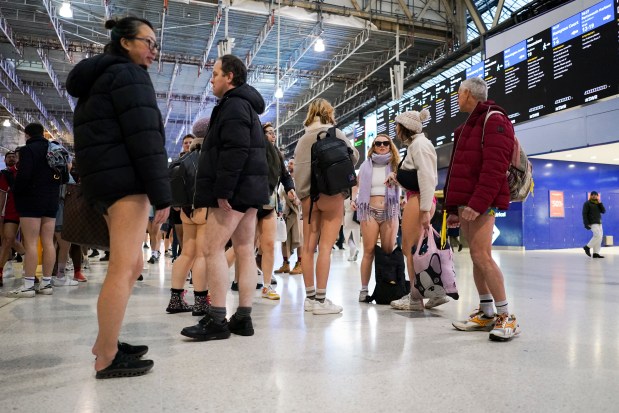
x: 232, y: 182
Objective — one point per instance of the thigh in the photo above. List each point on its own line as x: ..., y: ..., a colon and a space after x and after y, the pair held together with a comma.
x: 331, y: 216
x: 48, y: 225
x: 388, y: 233
x: 369, y: 230
x: 127, y: 219
x: 479, y: 234
x: 9, y: 231
x: 310, y: 230
x: 411, y: 225
x: 189, y: 240
x: 220, y: 226
x: 244, y: 233
x: 30, y: 229
x: 268, y: 227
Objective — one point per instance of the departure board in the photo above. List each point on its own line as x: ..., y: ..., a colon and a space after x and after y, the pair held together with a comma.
x: 574, y: 62
x: 359, y: 142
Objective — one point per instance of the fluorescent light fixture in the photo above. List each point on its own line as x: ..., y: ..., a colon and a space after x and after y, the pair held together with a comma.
x: 548, y: 165
x: 593, y: 157
x: 571, y: 165
x: 319, y: 46
x: 592, y: 168
x: 6, y: 123
x: 279, y: 93
x: 65, y: 10
x: 569, y: 155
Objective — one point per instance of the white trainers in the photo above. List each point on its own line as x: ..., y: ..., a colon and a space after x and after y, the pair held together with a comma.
x: 64, y: 281
x: 363, y: 294
x: 22, y: 292
x: 326, y: 308
x: 45, y: 289
x: 407, y: 303
x: 86, y: 263
x: 436, y: 301
x: 308, y: 305
x: 354, y: 256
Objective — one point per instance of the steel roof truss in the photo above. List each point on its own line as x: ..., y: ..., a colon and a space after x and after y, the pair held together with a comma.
x: 8, y: 32
x: 51, y: 12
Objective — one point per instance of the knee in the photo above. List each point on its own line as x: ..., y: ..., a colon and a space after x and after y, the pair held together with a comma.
x: 480, y: 257
x: 268, y: 246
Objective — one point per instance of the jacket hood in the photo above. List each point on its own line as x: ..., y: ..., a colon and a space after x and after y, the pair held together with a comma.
x: 85, y: 73
x: 250, y: 94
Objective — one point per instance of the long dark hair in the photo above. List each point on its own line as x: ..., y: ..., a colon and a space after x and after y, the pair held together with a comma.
x: 127, y: 27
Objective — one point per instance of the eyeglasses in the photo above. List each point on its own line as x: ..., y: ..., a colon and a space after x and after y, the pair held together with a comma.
x: 381, y: 143
x: 152, y: 45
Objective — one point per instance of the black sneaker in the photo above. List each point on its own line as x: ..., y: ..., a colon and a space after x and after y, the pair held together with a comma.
x: 134, y: 351
x: 125, y: 366
x: 259, y: 286
x: 106, y: 257
x: 19, y: 258
x: 234, y: 286
x: 587, y: 250
x: 597, y: 255
x: 241, y: 327
x: 93, y: 254
x: 207, y: 329
x: 151, y: 260
x: 141, y: 278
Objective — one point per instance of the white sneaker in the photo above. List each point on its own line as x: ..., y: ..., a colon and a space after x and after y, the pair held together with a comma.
x: 22, y: 292
x: 308, y: 305
x: 407, y: 303
x: 436, y: 301
x: 326, y: 308
x: 45, y: 289
x: 69, y: 266
x: 354, y: 256
x: 363, y: 294
x: 64, y: 281
x: 86, y: 263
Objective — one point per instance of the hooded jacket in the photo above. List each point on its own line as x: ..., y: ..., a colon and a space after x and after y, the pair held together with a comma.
x: 232, y: 161
x: 119, y: 134
x: 477, y: 175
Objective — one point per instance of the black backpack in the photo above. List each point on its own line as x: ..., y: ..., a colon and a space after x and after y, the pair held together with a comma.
x: 389, y: 274
x: 333, y: 170
x: 183, y: 179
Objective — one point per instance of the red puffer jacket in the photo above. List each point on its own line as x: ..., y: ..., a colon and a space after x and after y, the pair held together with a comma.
x: 477, y: 176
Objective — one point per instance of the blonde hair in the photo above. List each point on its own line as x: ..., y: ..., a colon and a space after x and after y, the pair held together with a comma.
x: 321, y: 108
x: 395, y: 156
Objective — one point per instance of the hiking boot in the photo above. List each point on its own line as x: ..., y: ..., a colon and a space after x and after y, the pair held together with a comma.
x: 79, y: 277
x: 436, y: 301
x: 285, y: 268
x: 22, y: 292
x: 297, y: 270
x: 587, y: 250
x: 200, y: 305
x: 207, y: 329
x: 125, y: 366
x: 45, y: 289
x: 408, y: 303
x: 63, y: 281
x: 178, y: 304
x: 477, y: 321
x: 326, y: 308
x: 505, y: 328
x: 269, y: 293
x: 363, y: 294
x: 241, y: 327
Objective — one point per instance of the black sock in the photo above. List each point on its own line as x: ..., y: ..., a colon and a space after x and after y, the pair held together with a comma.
x: 177, y: 290
x: 200, y: 293
x: 243, y: 313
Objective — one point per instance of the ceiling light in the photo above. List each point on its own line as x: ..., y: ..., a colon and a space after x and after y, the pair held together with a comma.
x: 569, y: 155
x: 6, y: 123
x: 571, y: 165
x: 65, y: 10
x: 319, y: 46
x: 593, y: 157
x: 592, y: 168
x: 279, y: 93
x: 548, y: 165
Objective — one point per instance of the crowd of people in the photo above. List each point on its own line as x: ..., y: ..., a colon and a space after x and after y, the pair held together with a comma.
x: 242, y: 186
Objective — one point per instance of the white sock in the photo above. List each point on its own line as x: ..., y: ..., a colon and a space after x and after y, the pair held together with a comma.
x: 501, y: 307
x: 486, y: 304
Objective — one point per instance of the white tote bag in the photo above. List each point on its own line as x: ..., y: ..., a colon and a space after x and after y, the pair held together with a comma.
x: 281, y: 234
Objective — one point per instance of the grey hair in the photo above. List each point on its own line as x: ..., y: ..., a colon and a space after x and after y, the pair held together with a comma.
x: 201, y: 127
x: 478, y: 88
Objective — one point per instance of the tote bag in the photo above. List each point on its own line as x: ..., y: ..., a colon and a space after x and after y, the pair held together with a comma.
x: 435, y: 275
x: 82, y: 224
x: 281, y: 233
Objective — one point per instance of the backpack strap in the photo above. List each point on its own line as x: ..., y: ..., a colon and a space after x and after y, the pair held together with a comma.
x: 483, y: 131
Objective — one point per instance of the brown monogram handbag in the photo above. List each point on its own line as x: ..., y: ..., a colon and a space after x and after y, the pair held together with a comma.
x: 83, y: 225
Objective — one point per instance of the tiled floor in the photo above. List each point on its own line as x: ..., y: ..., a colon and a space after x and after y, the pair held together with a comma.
x: 369, y: 358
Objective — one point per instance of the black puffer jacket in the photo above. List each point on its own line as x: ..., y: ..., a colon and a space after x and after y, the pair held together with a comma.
x: 35, y: 184
x: 119, y: 134
x: 232, y: 161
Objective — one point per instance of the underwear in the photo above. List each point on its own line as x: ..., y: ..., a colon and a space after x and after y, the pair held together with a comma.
x: 379, y: 215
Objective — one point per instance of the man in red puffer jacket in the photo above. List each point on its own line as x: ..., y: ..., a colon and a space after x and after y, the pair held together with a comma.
x: 476, y: 187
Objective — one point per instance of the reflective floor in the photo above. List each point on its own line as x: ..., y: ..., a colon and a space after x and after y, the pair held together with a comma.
x: 369, y: 358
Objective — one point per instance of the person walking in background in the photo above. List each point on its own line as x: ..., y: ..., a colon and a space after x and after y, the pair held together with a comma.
x: 592, y: 212
x: 476, y: 187
x: 120, y: 144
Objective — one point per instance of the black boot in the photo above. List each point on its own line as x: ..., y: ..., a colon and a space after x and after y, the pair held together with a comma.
x: 177, y: 302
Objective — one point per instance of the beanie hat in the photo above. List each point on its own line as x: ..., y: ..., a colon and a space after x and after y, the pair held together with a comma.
x: 412, y: 120
x: 201, y: 127
x: 594, y: 193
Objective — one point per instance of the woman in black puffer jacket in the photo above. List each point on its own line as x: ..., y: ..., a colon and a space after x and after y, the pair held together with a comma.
x: 120, y: 142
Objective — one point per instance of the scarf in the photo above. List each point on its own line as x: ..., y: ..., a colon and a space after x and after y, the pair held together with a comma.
x: 392, y: 194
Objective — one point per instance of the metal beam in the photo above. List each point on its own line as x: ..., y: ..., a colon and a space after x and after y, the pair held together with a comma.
x: 405, y: 9
x: 51, y: 12
x: 424, y: 10
x: 8, y: 32
x: 211, y: 38
x: 50, y: 70
x: 261, y: 39
x: 479, y: 22
x: 355, y: 5
x: 164, y: 13
x: 175, y: 72
x: 317, y: 91
x: 497, y: 14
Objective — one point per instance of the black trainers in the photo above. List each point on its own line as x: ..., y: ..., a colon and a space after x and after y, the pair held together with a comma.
x: 587, y: 250
x: 152, y: 259
x: 235, y: 286
x: 93, y: 254
x: 132, y: 351
x: 106, y: 257
x: 125, y: 366
x: 241, y: 327
x: 141, y: 278
x: 207, y: 329
x: 597, y: 255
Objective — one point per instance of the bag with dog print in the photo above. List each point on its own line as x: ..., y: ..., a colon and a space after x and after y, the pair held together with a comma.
x: 435, y: 275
